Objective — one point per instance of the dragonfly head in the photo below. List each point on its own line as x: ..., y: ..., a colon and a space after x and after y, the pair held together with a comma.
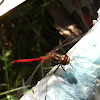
x: 65, y: 59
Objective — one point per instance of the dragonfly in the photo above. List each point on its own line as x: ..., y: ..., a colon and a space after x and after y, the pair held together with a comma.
x: 58, y: 59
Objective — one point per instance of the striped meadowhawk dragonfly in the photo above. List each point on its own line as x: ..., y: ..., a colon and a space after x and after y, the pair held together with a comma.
x: 52, y: 56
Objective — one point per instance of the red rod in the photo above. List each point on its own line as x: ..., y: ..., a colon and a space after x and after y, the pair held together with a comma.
x: 28, y: 60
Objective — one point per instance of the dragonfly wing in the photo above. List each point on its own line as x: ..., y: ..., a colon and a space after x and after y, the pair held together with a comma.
x: 28, y: 82
x: 65, y: 44
x: 73, y: 41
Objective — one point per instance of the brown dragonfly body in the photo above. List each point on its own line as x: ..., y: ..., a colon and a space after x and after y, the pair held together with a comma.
x: 60, y: 59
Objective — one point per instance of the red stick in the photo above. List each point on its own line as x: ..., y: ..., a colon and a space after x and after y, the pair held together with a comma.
x: 28, y: 60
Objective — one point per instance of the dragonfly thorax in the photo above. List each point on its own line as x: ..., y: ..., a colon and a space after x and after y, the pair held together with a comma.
x: 60, y: 59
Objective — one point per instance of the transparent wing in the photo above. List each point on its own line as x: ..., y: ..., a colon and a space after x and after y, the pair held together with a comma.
x: 28, y: 82
x: 64, y: 44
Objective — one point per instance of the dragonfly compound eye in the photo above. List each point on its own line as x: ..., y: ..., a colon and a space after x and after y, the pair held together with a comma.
x: 65, y: 59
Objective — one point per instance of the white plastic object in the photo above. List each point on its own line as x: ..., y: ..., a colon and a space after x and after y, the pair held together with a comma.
x: 7, y: 5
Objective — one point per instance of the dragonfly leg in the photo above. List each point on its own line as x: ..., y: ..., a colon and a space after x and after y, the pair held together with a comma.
x: 56, y: 69
x: 63, y: 68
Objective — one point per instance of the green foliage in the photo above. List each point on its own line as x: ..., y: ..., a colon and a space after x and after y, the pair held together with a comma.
x: 27, y: 31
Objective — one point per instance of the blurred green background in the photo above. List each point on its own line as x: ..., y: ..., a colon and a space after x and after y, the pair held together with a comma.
x: 27, y: 31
